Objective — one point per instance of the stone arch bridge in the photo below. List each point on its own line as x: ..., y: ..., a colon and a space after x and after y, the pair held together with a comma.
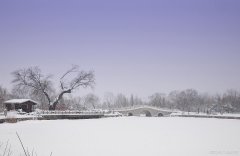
x: 144, y: 111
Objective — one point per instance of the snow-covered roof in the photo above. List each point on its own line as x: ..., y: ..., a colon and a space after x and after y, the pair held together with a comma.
x: 19, y: 101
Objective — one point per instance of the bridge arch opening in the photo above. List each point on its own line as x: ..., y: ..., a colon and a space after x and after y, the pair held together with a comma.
x: 130, y: 114
x: 160, y: 114
x: 146, y: 113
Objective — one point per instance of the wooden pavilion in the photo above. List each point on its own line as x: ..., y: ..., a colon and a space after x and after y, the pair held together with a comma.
x: 27, y: 105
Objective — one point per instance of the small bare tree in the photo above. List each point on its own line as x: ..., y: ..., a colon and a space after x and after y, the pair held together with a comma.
x: 109, y: 100
x: 91, y: 100
x: 3, y: 96
x: 33, y: 79
x: 158, y: 100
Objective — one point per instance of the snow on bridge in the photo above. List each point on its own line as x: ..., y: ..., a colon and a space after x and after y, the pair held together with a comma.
x: 144, y: 111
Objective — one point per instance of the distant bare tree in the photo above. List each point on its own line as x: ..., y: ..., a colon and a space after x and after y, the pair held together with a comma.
x: 3, y: 96
x: 91, y: 100
x: 174, y: 99
x: 121, y: 101
x: 227, y: 102
x: 33, y: 79
x: 186, y: 100
x: 158, y: 100
x: 138, y: 101
x: 75, y: 103
x: 131, y: 100
x: 206, y: 102
x: 108, y: 100
x: 231, y: 100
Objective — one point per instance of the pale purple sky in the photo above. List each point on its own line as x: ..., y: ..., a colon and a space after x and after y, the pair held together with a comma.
x: 134, y: 46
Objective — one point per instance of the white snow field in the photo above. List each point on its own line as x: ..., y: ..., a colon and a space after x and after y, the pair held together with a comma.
x: 126, y: 136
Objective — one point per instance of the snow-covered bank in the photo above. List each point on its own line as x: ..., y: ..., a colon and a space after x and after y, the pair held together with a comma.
x: 125, y: 136
x: 14, y: 116
x: 204, y: 115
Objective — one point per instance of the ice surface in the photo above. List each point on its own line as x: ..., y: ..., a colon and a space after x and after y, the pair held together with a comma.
x: 126, y: 136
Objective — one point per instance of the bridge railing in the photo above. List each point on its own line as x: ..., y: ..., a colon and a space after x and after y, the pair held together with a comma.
x: 142, y: 106
x: 69, y: 112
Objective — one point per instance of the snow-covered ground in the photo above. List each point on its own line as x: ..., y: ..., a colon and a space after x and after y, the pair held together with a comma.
x: 126, y: 136
x: 179, y: 113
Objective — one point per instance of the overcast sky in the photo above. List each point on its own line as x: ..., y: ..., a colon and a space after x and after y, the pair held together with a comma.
x: 134, y: 46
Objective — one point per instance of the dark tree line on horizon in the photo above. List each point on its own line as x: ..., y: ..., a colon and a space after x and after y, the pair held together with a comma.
x: 31, y: 83
x: 188, y: 100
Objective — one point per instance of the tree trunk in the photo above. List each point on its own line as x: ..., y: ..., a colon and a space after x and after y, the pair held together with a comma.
x: 53, y: 106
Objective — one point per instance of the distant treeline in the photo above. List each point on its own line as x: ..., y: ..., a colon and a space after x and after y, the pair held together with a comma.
x: 186, y: 100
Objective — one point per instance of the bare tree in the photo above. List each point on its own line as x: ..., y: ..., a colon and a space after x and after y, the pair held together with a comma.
x: 91, y: 100
x: 121, y: 101
x: 158, y: 100
x: 108, y: 100
x: 231, y: 101
x: 75, y: 103
x: 3, y: 96
x: 138, y: 101
x: 227, y: 102
x: 33, y: 79
x: 186, y: 100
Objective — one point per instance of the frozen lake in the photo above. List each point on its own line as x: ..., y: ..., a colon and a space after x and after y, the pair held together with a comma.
x: 126, y: 136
